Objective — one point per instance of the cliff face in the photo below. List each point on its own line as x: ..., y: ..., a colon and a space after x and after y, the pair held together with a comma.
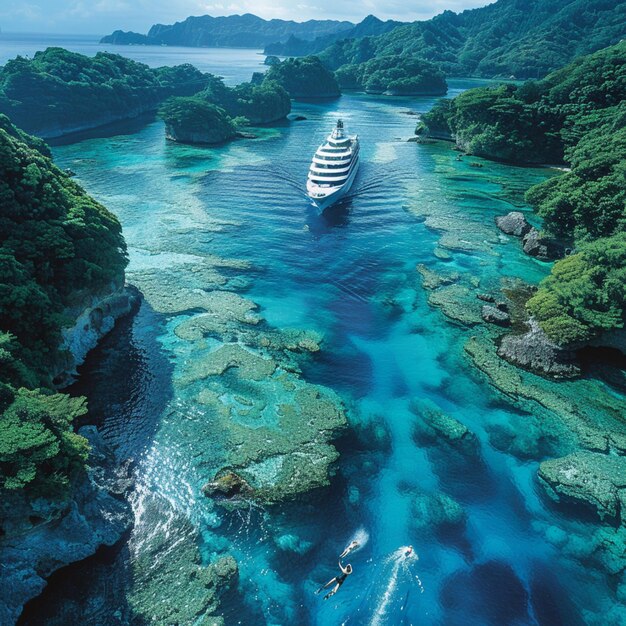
x: 94, y: 319
x: 40, y: 537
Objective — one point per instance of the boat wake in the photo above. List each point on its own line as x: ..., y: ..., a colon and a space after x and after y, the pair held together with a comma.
x: 394, y: 584
x: 398, y: 572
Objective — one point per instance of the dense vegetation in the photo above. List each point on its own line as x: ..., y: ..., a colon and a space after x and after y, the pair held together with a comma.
x: 576, y: 115
x: 239, y: 31
x: 304, y: 78
x: 58, y: 91
x: 215, y: 114
x: 195, y: 120
x: 521, y: 38
x: 56, y: 245
x: 261, y: 103
x: 296, y: 46
x: 394, y: 75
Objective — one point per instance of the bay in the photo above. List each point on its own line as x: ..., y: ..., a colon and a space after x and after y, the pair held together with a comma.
x: 236, y: 216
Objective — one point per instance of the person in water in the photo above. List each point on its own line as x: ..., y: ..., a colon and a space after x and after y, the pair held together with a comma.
x: 408, y: 552
x: 337, y: 581
x: 353, y: 545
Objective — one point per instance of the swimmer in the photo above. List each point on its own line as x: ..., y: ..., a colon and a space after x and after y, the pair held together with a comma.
x: 337, y: 581
x: 352, y: 546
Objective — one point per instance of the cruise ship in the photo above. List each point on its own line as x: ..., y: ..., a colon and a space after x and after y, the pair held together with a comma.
x: 333, y: 168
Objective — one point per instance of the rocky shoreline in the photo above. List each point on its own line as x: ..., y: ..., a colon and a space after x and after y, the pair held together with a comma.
x: 41, y: 536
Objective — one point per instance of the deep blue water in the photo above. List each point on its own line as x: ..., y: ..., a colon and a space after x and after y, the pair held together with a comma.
x: 349, y: 274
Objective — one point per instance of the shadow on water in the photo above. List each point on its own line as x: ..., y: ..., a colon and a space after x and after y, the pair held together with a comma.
x: 127, y: 380
x: 120, y: 127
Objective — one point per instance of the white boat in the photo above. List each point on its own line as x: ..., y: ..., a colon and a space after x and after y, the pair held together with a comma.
x: 333, y: 168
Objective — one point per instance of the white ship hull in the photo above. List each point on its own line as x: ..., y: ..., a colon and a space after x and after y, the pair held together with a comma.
x: 333, y: 168
x: 332, y: 195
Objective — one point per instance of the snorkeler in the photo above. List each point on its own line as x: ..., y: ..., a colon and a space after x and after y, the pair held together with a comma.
x: 337, y: 581
x: 353, y: 545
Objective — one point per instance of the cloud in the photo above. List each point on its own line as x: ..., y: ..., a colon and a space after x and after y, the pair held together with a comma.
x: 103, y: 16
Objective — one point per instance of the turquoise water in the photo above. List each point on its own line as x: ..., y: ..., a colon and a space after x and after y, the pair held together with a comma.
x: 234, y: 218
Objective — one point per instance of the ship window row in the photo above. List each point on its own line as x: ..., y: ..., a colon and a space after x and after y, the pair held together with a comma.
x: 326, y: 174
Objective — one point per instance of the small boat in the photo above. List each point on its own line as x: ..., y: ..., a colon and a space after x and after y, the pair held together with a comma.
x: 333, y: 168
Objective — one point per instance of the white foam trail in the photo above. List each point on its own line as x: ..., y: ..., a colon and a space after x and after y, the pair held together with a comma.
x: 361, y: 536
x: 400, y: 564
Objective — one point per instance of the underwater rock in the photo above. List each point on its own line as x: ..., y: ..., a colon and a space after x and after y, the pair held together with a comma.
x: 525, y: 437
x: 169, y: 568
x: 250, y: 366
x: 456, y: 302
x: 435, y: 426
x: 41, y: 536
x: 442, y: 254
x: 535, y: 352
x: 436, y: 510
x: 486, y: 297
x: 432, y: 279
x: 588, y: 414
x: 493, y: 315
x: 597, y: 480
x: 542, y: 248
x: 513, y: 223
x: 227, y: 484
x: 280, y: 449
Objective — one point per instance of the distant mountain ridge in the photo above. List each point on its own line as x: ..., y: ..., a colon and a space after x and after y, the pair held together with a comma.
x: 239, y: 31
x: 523, y: 38
x: 295, y: 46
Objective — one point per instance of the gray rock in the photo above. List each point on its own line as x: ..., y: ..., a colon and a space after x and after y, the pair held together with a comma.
x: 513, y: 223
x: 535, y: 352
x: 591, y: 478
x: 494, y: 315
x: 542, y: 248
x: 42, y: 536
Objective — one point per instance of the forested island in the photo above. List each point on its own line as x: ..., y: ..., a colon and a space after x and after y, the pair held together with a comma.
x: 304, y: 78
x: 394, y: 76
x: 576, y: 116
x: 297, y: 46
x: 234, y: 31
x: 218, y: 113
x: 509, y: 38
x: 59, y: 92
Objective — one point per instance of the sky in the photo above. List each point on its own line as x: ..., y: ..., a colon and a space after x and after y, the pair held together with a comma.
x: 104, y: 16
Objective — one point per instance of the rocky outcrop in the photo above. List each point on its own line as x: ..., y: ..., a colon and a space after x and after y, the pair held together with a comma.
x: 534, y: 243
x: 541, y: 247
x: 41, y: 536
x: 535, y: 352
x: 513, y: 223
x: 94, y: 317
x: 494, y: 315
x: 588, y: 478
x: 227, y: 484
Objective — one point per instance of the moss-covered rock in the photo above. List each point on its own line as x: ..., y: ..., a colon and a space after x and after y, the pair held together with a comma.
x: 596, y: 480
